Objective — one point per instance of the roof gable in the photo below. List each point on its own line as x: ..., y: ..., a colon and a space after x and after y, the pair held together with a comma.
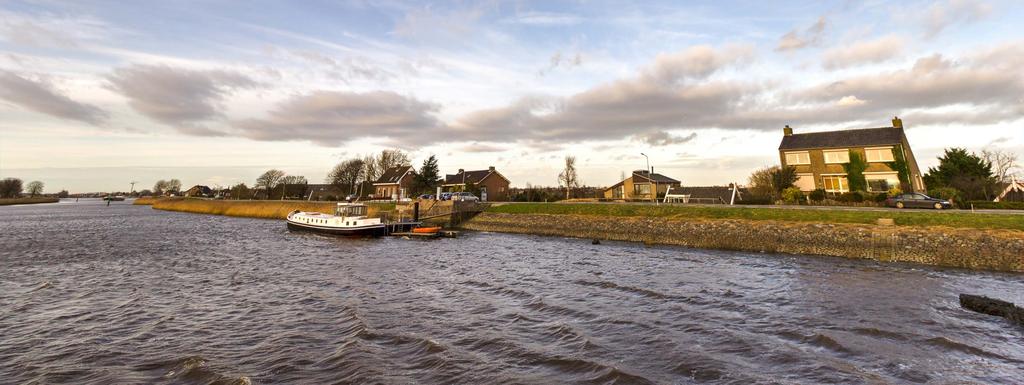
x: 393, y: 175
x: 864, y: 137
x: 470, y: 177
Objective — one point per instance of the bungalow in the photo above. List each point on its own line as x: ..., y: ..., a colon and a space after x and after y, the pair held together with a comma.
x: 639, y: 186
x: 708, y: 194
x: 1014, y: 192
x: 493, y: 186
x: 821, y: 158
x: 395, y: 183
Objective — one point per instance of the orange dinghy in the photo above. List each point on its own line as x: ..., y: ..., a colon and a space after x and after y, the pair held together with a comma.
x: 426, y: 230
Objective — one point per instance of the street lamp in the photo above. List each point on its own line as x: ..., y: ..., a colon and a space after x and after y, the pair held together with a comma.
x: 650, y: 179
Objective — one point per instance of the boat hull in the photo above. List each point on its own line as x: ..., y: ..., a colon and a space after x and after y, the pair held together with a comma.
x: 362, y: 231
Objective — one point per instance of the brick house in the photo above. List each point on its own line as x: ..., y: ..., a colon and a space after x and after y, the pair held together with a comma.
x: 395, y: 183
x: 819, y: 158
x: 639, y: 186
x: 493, y: 186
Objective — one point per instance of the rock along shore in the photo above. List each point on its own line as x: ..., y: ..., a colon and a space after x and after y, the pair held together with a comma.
x: 998, y: 250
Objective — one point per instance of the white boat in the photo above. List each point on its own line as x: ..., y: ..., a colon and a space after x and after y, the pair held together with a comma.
x: 348, y: 219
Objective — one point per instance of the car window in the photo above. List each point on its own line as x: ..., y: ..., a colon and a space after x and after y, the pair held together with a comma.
x: 920, y: 196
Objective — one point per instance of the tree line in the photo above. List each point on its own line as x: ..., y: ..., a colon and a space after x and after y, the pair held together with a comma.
x: 13, y: 188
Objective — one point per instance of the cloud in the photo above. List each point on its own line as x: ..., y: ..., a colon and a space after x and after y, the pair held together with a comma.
x: 795, y: 39
x: 850, y: 101
x: 864, y: 52
x: 347, y: 69
x: 558, y: 60
x: 697, y: 62
x: 482, y: 147
x: 51, y: 30
x: 178, y: 97
x: 40, y: 96
x: 942, y: 15
x: 332, y: 118
x: 544, y: 19
x: 662, y: 138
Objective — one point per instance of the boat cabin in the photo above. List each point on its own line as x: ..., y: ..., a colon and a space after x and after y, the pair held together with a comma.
x: 350, y: 210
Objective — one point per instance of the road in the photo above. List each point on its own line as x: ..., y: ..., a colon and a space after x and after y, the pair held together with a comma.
x: 794, y: 207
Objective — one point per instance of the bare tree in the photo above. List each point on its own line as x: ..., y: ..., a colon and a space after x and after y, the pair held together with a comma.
x: 392, y: 158
x: 173, y: 186
x: 34, y: 188
x: 345, y: 176
x: 269, y: 180
x: 1003, y: 163
x: 10, y: 188
x: 159, y: 187
x: 568, y: 177
x: 292, y: 181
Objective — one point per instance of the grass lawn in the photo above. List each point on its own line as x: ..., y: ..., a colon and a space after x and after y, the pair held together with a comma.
x: 26, y: 201
x: 902, y: 218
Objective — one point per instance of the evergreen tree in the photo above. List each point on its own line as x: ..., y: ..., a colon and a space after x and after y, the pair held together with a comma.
x: 964, y: 171
x: 426, y: 180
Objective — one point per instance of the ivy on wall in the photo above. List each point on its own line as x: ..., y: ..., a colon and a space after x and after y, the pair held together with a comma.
x: 855, y: 172
x: 900, y: 166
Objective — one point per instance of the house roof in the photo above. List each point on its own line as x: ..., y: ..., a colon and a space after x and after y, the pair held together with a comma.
x: 846, y: 138
x: 474, y: 176
x: 655, y: 177
x: 393, y: 175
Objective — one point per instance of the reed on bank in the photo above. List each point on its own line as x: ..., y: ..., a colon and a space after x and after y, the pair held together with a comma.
x: 27, y: 201
x: 918, y: 218
x: 254, y: 209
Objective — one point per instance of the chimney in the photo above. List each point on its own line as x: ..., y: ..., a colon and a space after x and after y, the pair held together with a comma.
x: 461, y: 171
x: 787, y: 131
x: 491, y: 169
x: 897, y: 122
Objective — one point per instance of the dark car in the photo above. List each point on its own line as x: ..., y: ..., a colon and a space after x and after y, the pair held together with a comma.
x: 917, y: 200
x: 426, y: 197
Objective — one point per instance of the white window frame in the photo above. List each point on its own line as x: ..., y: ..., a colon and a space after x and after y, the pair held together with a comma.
x: 843, y: 188
x: 867, y: 155
x: 845, y: 152
x: 890, y: 176
x: 798, y: 155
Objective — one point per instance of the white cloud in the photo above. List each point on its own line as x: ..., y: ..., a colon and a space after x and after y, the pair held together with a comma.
x: 864, y: 52
x: 942, y: 15
x: 795, y: 39
x: 40, y: 96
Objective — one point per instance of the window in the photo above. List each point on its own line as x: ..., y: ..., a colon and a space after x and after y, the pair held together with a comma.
x: 835, y: 183
x: 837, y: 156
x: 883, y: 154
x: 795, y: 158
x: 642, y: 189
x: 805, y: 182
x: 882, y: 182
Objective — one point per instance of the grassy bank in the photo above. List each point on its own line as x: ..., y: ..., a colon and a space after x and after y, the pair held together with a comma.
x: 146, y: 201
x: 27, y: 201
x: 251, y: 209
x: 902, y: 218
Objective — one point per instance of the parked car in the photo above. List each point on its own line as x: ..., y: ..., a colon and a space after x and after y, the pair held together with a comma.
x: 917, y: 200
x: 351, y: 197
x: 445, y: 196
x: 464, y: 197
x: 426, y: 196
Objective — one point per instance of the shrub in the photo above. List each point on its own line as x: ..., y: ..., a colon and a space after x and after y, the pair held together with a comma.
x: 854, y: 197
x: 996, y: 205
x: 948, y: 193
x: 881, y: 197
x: 818, y: 195
x: 792, y: 195
x: 755, y: 200
x: 895, y: 191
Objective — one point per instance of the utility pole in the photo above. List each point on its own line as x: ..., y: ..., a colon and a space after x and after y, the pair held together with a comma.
x: 133, y: 187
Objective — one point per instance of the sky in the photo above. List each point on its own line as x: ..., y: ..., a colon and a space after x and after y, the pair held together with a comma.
x: 97, y: 94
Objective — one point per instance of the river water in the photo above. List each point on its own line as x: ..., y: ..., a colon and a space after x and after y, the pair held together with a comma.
x: 92, y: 294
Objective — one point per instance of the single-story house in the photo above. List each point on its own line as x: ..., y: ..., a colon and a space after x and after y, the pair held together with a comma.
x: 395, y: 183
x: 493, y: 186
x: 640, y: 184
x: 708, y: 194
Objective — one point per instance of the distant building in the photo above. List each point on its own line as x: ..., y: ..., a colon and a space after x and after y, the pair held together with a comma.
x: 395, y: 183
x: 819, y: 158
x: 198, y: 191
x: 709, y: 194
x: 492, y: 185
x: 640, y: 185
x: 1013, y: 192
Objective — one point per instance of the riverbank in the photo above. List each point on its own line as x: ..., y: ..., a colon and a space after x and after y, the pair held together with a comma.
x: 998, y: 250
x: 249, y: 209
x: 27, y: 201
